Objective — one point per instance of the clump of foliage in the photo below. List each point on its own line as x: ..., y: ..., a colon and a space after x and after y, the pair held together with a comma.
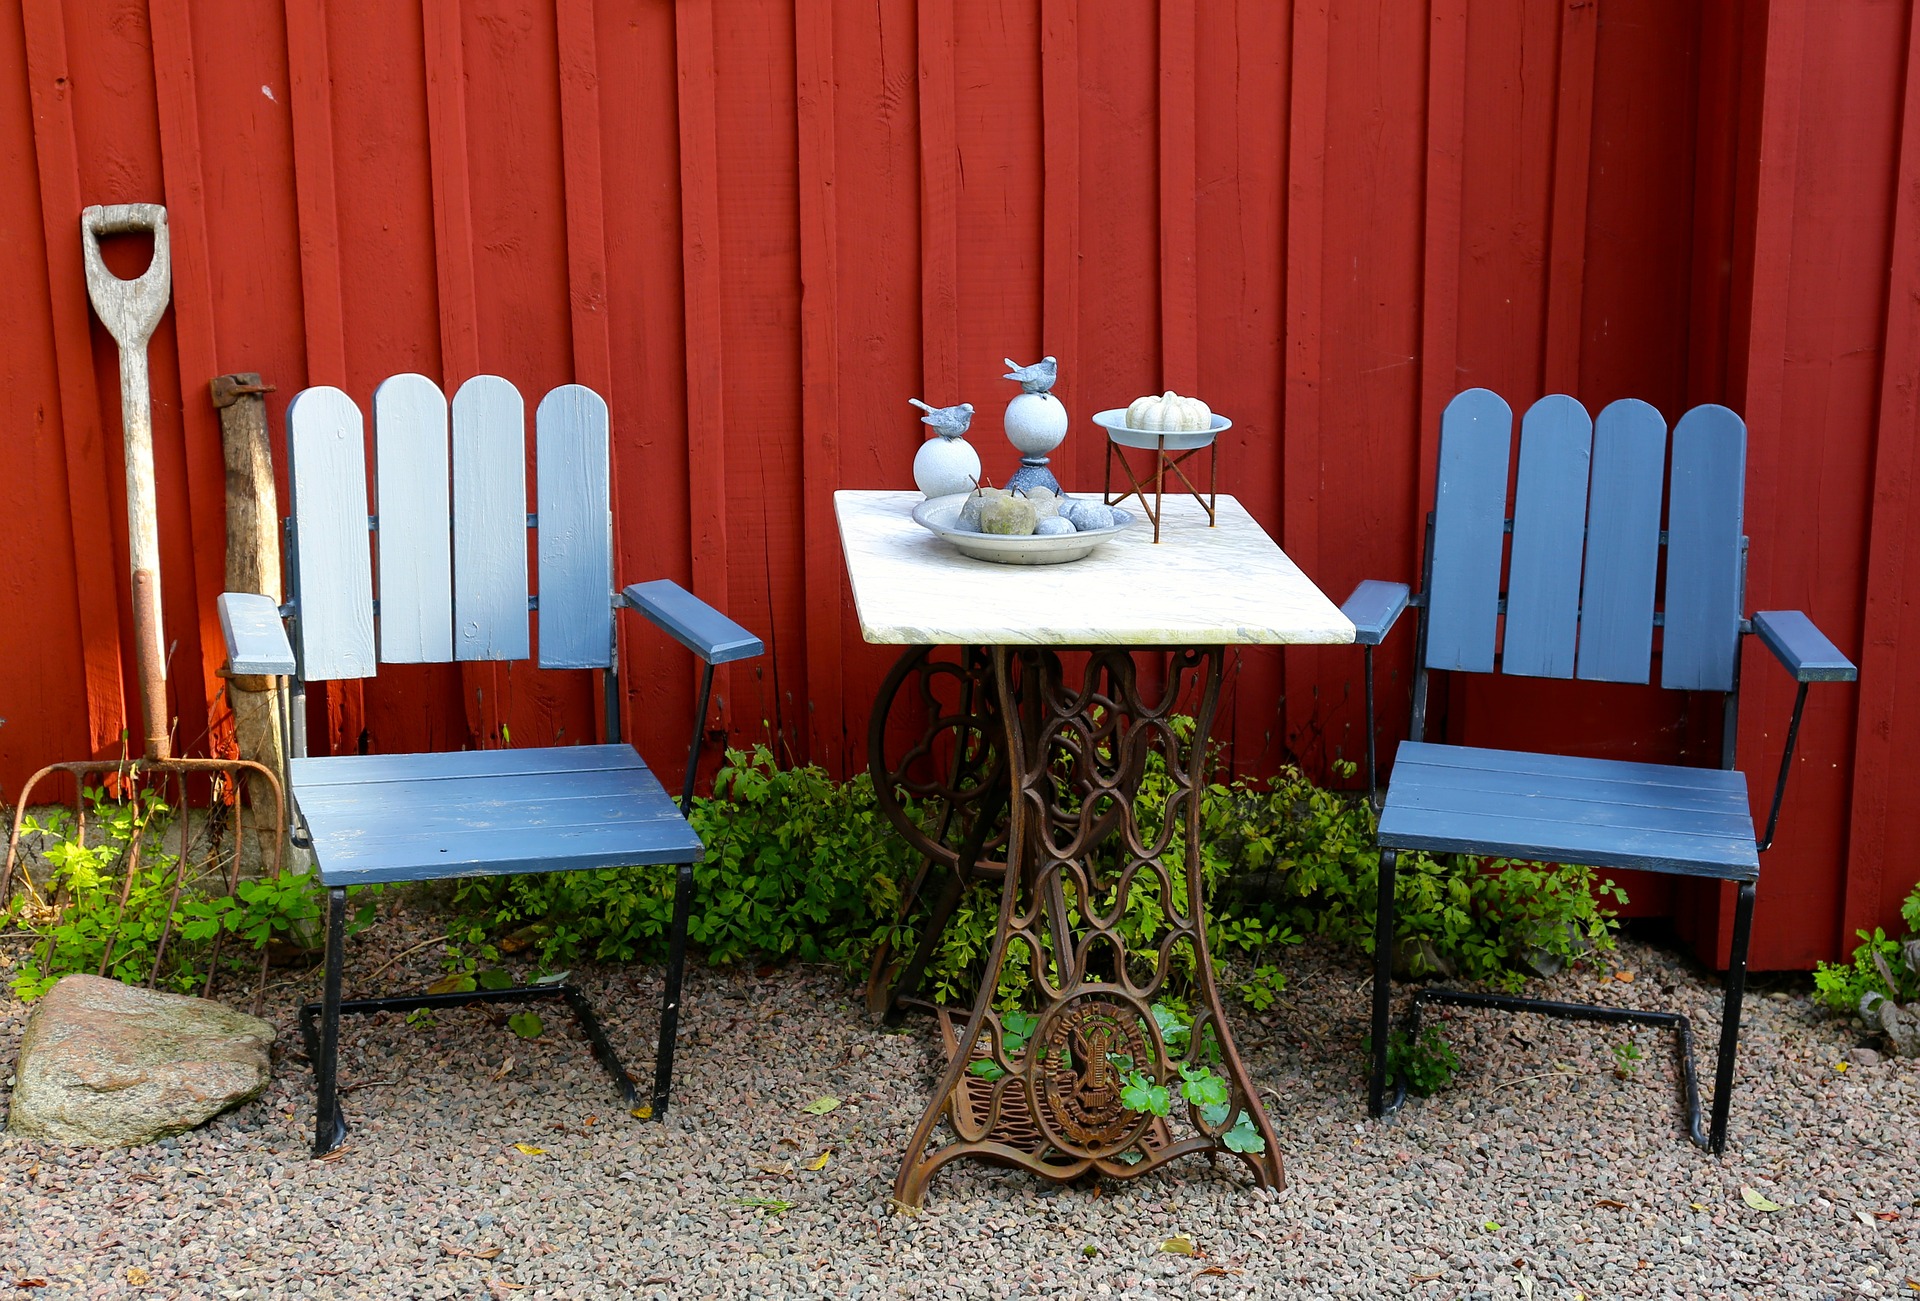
x: 100, y: 902
x: 1879, y: 968
x: 801, y: 866
x: 797, y: 865
x: 1427, y: 1064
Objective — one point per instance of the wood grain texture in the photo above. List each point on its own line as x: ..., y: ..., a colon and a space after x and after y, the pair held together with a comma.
x: 588, y: 292
x: 1567, y: 229
x: 88, y: 505
x: 333, y: 572
x: 820, y: 374
x: 1623, y: 543
x: 1705, y: 510
x: 700, y: 257
x: 413, y: 496
x: 1179, y: 232
x: 940, y: 378
x: 1470, y: 510
x: 1440, y: 235
x: 196, y: 672
x: 489, y: 521
x: 573, y: 478
x: 1880, y: 761
x: 1549, y: 532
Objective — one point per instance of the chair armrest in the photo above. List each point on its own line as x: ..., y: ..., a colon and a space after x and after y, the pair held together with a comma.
x: 692, y: 622
x: 1373, y: 608
x: 256, y: 639
x: 1802, y: 648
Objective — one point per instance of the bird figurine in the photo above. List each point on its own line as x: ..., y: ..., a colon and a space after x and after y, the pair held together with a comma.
x: 948, y: 464
x: 1035, y: 423
x: 948, y: 422
x: 1037, y: 378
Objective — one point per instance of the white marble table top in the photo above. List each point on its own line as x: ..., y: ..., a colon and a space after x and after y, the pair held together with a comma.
x: 1198, y: 586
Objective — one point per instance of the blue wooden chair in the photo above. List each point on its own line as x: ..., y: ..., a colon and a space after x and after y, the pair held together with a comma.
x: 1579, y: 601
x: 453, y: 587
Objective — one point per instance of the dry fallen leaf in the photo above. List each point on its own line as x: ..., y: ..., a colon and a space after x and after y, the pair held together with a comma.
x: 1624, y: 977
x: 530, y: 1149
x: 29, y: 1282
x: 1758, y: 1202
x: 1886, y: 1215
x: 820, y: 1163
x: 1611, y: 1204
x: 1425, y: 1278
x: 485, y: 1253
x: 1696, y: 1206
x: 1179, y: 1245
x: 1865, y: 1217
x: 137, y: 1276
x: 1841, y: 1067
x: 1216, y: 1269
x: 821, y: 1106
x: 642, y: 1112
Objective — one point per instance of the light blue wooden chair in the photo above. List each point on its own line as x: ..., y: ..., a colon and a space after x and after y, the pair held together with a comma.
x: 451, y: 538
x: 1578, y: 601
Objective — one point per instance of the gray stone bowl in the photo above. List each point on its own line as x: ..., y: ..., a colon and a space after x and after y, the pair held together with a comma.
x: 937, y: 515
x: 1119, y: 431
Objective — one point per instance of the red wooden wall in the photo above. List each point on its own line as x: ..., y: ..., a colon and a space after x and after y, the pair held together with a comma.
x: 758, y: 226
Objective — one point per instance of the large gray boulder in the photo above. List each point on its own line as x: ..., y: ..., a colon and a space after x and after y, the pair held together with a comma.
x: 103, y: 1064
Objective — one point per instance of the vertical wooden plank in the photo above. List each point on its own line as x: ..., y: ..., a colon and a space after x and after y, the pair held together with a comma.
x: 88, y: 466
x: 1549, y: 527
x: 452, y: 192
x: 1470, y: 501
x: 1179, y: 227
x: 1879, y: 766
x: 489, y: 521
x: 310, y: 90
x: 311, y: 78
x: 1704, y: 513
x: 1567, y: 230
x: 1623, y: 543
x: 575, y: 505
x: 700, y: 262
x: 1440, y: 241
x: 820, y: 375
x: 412, y: 493
x: 587, y: 292
x: 1060, y: 216
x: 198, y: 358
x: 1300, y: 479
x: 939, y: 203
x: 327, y: 470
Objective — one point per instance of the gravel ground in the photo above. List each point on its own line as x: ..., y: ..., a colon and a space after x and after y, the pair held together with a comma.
x: 1538, y: 1175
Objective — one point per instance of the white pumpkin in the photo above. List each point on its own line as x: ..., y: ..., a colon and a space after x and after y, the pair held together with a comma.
x: 1169, y: 413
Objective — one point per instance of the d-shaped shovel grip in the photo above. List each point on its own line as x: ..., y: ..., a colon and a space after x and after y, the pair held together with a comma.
x: 130, y: 309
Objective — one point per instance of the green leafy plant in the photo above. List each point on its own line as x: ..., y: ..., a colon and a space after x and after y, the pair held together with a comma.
x: 1427, y: 1064
x: 1880, y: 967
x: 1201, y: 1088
x: 1626, y: 1059
x: 103, y: 902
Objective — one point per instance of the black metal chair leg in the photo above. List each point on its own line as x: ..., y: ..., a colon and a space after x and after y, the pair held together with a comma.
x: 330, y: 1127
x: 670, y: 997
x: 1730, y: 1018
x: 1382, y: 983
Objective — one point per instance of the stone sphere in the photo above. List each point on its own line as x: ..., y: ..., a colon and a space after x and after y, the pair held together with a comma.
x: 1036, y: 422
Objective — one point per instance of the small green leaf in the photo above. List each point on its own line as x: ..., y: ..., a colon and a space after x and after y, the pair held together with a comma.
x: 986, y: 1070
x: 459, y: 983
x: 1142, y: 1094
x: 1757, y: 1200
x: 527, y: 1025
x: 1244, y: 1136
x: 493, y: 978
x: 821, y: 1106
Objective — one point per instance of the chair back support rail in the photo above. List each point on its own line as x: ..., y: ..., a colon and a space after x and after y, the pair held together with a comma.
x: 1585, y: 538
